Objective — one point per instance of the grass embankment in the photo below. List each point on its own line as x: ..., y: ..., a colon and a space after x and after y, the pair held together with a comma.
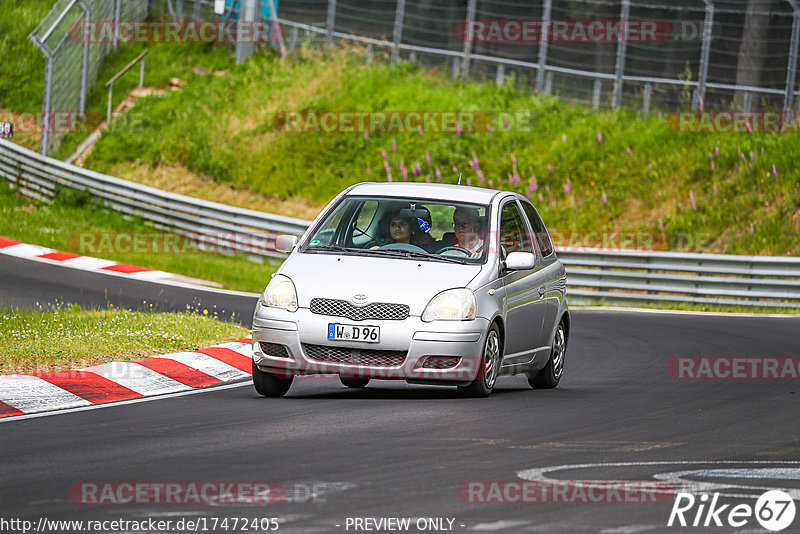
x: 68, y: 338
x: 59, y: 226
x: 568, y: 158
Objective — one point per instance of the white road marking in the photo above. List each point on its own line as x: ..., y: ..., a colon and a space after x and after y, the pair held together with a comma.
x: 31, y: 394
x: 137, y: 378
x: 206, y: 364
x: 674, y: 478
x: 87, y: 263
x: 498, y: 525
x: 630, y: 529
x: 245, y: 349
x: 24, y: 250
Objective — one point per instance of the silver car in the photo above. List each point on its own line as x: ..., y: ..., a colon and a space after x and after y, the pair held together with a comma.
x: 428, y: 283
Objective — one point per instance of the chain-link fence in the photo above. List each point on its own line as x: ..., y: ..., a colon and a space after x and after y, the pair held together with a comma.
x: 72, y: 62
x: 672, y: 54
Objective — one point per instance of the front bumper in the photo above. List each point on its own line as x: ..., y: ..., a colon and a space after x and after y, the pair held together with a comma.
x: 411, y: 346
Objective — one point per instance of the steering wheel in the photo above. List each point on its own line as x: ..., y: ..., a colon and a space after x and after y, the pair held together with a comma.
x: 456, y: 248
x: 402, y: 246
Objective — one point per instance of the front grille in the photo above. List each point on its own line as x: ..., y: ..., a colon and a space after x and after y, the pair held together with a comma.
x: 376, y: 310
x: 365, y: 357
x: 441, y: 362
x: 273, y: 349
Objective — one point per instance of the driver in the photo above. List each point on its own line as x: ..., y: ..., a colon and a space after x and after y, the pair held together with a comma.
x: 467, y: 225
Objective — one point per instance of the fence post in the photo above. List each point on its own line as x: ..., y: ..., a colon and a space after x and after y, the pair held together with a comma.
x: 598, y: 87
x: 368, y: 59
x: 622, y: 48
x: 501, y: 73
x: 196, y: 10
x: 791, y: 75
x: 548, y: 83
x: 247, y: 14
x: 399, y: 15
x: 87, y: 17
x: 456, y: 66
x: 331, y: 22
x: 48, y: 93
x: 708, y: 28
x: 544, y: 45
x: 471, y: 6
x: 293, y: 38
x: 117, y: 17
x: 648, y: 93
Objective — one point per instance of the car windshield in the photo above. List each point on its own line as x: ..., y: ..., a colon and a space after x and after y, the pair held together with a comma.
x: 403, y: 227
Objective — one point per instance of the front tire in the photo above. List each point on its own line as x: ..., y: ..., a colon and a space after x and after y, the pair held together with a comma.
x: 270, y: 384
x: 550, y: 376
x: 489, y: 368
x: 354, y: 383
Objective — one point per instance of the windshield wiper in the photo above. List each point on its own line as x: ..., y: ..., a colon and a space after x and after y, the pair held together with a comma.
x: 415, y: 254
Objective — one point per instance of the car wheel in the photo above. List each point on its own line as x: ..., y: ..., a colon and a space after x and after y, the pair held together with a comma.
x: 270, y: 384
x: 354, y: 383
x: 489, y: 366
x: 550, y: 376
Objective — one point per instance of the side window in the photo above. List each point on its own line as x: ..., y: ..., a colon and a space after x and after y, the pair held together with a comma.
x: 513, y: 232
x: 542, y: 237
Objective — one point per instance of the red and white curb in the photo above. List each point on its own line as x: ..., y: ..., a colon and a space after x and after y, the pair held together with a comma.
x: 157, y: 375
x: 76, y: 261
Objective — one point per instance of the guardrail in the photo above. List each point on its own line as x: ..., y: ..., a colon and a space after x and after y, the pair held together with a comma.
x: 210, y: 223
x: 594, y: 275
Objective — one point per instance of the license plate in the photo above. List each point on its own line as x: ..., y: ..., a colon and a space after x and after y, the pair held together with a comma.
x: 347, y: 332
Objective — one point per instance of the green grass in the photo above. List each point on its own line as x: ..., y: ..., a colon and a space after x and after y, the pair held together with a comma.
x: 60, y: 224
x: 186, y: 61
x: 22, y: 66
x: 59, y: 338
x: 222, y: 127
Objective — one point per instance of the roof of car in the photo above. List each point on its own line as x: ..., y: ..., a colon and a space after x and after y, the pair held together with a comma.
x: 456, y: 193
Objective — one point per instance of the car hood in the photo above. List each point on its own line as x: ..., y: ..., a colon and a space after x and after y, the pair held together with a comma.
x: 392, y: 280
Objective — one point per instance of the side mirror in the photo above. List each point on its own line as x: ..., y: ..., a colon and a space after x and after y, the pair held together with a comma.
x: 520, y: 261
x: 285, y: 243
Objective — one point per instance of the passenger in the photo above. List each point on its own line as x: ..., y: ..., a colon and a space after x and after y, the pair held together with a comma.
x: 399, y: 229
x: 467, y: 227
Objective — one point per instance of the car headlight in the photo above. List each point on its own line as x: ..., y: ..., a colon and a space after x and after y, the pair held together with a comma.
x: 280, y: 293
x: 451, y: 305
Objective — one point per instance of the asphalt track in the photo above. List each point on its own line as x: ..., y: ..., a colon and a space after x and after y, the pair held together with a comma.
x: 395, y: 450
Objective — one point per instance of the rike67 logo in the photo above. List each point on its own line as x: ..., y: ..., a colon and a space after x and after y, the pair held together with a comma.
x: 774, y: 511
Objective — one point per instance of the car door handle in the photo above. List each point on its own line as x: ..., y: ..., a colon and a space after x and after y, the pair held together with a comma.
x: 542, y: 291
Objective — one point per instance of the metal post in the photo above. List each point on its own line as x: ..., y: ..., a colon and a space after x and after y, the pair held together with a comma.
x: 708, y: 28
x: 748, y: 101
x: 247, y: 14
x: 622, y: 48
x: 598, y: 88
x: 548, y: 83
x: 179, y: 9
x: 117, y: 18
x: 196, y: 16
x: 48, y: 93
x: 791, y: 75
x: 331, y: 22
x: 275, y: 27
x: 369, y: 53
x: 501, y: 73
x: 471, y: 6
x: 456, y: 66
x: 412, y: 58
x: 293, y: 38
x: 648, y: 93
x: 544, y: 45
x: 141, y: 74
x: 399, y: 15
x: 87, y: 17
